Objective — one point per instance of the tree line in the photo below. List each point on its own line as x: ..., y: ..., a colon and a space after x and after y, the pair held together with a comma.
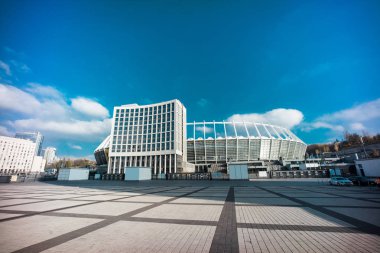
x: 72, y: 163
x: 351, y: 140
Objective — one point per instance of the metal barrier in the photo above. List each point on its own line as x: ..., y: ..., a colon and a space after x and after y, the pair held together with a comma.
x: 299, y: 174
x: 188, y: 176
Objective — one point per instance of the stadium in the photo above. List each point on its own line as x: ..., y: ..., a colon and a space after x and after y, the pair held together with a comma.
x: 211, y: 145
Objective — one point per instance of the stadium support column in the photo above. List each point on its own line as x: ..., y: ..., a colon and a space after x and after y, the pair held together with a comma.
x: 258, y: 132
x: 249, y: 141
x: 237, y: 141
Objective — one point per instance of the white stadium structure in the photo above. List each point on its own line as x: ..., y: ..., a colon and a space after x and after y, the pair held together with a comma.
x: 242, y: 142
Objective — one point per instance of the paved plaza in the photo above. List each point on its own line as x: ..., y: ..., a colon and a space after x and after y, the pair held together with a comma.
x: 188, y: 216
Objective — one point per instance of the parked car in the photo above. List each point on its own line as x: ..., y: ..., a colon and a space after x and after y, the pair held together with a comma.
x: 340, y: 181
x: 360, y: 180
x: 377, y: 182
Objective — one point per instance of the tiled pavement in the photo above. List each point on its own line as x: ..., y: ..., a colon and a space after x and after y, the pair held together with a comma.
x: 188, y: 216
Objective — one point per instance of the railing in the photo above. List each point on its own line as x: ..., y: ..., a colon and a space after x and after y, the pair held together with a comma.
x: 188, y: 176
x: 299, y: 174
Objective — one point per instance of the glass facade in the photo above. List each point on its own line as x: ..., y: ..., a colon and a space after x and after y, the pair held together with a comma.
x: 148, y: 136
x: 35, y: 137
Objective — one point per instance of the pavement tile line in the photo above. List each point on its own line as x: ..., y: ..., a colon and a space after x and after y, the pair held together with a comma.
x: 297, y: 227
x: 31, y: 213
x: 44, y: 245
x: 226, y: 237
x: 362, y: 226
x: 258, y: 237
x: 338, y: 195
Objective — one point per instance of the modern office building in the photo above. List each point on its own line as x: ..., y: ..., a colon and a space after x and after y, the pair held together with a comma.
x: 50, y: 154
x: 219, y: 143
x: 18, y: 156
x: 35, y: 137
x: 148, y: 136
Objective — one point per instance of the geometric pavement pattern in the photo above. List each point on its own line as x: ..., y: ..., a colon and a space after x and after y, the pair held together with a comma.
x: 188, y: 216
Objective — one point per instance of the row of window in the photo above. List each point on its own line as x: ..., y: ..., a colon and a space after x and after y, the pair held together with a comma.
x: 147, y: 110
x: 141, y: 138
x: 151, y: 118
x: 138, y: 129
x: 144, y: 147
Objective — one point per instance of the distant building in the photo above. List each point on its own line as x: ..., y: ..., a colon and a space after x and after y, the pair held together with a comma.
x: 18, y: 156
x: 35, y: 137
x: 368, y: 167
x: 38, y: 164
x: 148, y: 136
x: 50, y: 154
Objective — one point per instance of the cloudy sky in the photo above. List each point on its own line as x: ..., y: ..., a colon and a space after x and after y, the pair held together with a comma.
x: 311, y: 66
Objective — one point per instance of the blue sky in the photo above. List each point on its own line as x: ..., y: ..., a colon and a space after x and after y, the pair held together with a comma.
x: 65, y: 64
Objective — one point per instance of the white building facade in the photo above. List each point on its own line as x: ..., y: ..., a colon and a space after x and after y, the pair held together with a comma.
x: 50, y: 154
x: 18, y: 156
x: 151, y: 136
x: 368, y: 167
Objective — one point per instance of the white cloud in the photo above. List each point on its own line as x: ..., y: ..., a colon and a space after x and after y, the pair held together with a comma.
x: 357, y: 126
x: 319, y: 124
x: 4, y: 131
x: 43, y: 91
x: 361, y: 117
x: 6, y: 68
x: 77, y: 147
x: 287, y: 118
x: 362, y: 112
x: 204, y: 128
x: 89, y: 107
x: 20, y: 67
x: 16, y: 100
x: 71, y: 129
x: 45, y: 109
x: 202, y: 102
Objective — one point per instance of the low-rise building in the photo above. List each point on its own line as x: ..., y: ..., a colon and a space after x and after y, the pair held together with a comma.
x: 368, y: 167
